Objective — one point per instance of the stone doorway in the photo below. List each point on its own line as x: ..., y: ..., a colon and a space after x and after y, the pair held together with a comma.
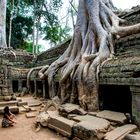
x: 115, y: 98
x: 15, y: 85
x: 32, y: 87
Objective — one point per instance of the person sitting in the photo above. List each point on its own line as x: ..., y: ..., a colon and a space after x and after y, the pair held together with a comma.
x: 8, y: 118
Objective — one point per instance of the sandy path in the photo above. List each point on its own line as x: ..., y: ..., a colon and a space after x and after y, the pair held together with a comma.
x: 23, y: 130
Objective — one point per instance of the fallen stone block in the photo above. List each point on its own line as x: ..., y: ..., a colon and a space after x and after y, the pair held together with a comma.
x: 120, y: 132
x: 69, y: 108
x: 34, y: 103
x: 91, y: 129
x: 117, y: 117
x: 61, y: 125
x: 27, y: 108
x: 43, y: 118
x: 31, y: 115
x: 135, y: 136
x: 22, y: 109
x: 53, y: 114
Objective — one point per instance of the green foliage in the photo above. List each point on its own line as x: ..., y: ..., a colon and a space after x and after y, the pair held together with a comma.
x: 23, y: 17
x: 56, y: 33
x: 21, y: 29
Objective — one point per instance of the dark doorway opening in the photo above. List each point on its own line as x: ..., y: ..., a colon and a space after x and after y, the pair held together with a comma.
x: 32, y: 87
x: 115, y: 98
x: 24, y: 83
x: 39, y: 88
x: 15, y: 85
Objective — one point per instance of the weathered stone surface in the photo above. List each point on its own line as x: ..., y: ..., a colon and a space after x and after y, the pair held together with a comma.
x: 135, y: 136
x: 61, y: 125
x: 120, y: 132
x: 7, y: 98
x: 31, y: 115
x: 90, y: 128
x: 22, y: 109
x: 136, y: 108
x: 31, y: 101
x: 8, y: 103
x: 22, y: 103
x: 92, y: 113
x: 113, y: 116
x: 79, y: 118
x: 53, y: 114
x: 68, y: 108
x: 43, y: 118
x: 27, y: 108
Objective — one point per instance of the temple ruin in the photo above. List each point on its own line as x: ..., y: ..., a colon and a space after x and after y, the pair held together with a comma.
x: 119, y: 78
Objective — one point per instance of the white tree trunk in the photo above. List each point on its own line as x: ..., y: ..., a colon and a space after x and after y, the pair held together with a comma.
x: 10, y: 28
x: 3, y: 23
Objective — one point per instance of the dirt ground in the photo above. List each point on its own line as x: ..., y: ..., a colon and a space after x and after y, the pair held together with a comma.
x: 23, y: 130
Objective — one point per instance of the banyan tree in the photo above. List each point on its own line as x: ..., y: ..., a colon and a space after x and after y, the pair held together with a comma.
x: 92, y: 45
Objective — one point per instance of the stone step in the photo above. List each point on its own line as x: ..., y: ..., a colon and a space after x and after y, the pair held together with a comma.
x: 113, y: 116
x: 8, y: 103
x: 13, y: 109
x: 120, y: 132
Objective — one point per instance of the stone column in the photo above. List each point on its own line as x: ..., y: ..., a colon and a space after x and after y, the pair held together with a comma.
x: 35, y: 91
x: 19, y: 85
x: 44, y: 91
x: 136, y: 104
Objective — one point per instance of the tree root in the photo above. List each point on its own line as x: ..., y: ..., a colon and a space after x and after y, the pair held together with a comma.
x: 92, y: 45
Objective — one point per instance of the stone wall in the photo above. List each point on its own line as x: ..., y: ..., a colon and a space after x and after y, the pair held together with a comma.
x: 131, y: 16
x: 17, y: 58
x: 52, y: 54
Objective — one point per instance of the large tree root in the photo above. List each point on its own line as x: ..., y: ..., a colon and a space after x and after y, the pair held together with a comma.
x: 92, y: 44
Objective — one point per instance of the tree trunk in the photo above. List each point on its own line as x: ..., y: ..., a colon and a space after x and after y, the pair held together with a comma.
x: 34, y: 28
x: 3, y: 23
x: 10, y: 29
x: 37, y: 32
x: 92, y: 44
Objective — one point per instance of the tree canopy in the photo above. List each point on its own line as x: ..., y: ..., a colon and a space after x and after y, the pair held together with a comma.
x: 32, y: 20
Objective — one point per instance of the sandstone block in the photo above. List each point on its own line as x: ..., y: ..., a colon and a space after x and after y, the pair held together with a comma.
x: 120, y: 132
x: 92, y: 128
x: 113, y: 116
x: 61, y: 125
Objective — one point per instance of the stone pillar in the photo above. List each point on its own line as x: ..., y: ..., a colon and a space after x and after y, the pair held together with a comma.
x: 19, y: 85
x: 9, y: 81
x: 35, y: 91
x: 44, y: 91
x: 136, y: 104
